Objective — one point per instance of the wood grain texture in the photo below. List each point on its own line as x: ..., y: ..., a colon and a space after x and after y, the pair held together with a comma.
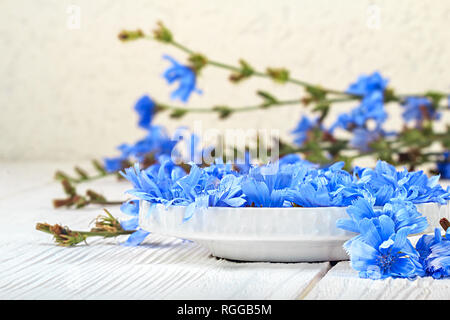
x: 343, y: 283
x: 161, y: 268
x: 32, y: 267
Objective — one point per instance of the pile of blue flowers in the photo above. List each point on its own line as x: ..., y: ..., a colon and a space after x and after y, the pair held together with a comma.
x: 381, y: 205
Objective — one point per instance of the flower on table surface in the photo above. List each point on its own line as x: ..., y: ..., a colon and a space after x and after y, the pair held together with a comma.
x: 405, y: 214
x: 437, y: 263
x: 425, y: 242
x: 434, y: 253
x: 444, y: 166
x: 380, y: 251
x: 185, y: 76
x: 418, y: 109
x: 131, y: 207
x: 397, y: 192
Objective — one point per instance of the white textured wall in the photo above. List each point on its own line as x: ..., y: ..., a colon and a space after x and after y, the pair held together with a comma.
x: 69, y: 93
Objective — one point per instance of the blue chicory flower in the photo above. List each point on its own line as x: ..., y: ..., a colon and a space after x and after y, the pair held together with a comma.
x: 219, y: 169
x: 145, y: 107
x: 403, y: 214
x: 434, y: 251
x: 425, y: 242
x: 362, y: 138
x: 437, y: 263
x: 385, y: 182
x: 418, y: 109
x: 131, y: 207
x: 371, y: 88
x: 114, y: 164
x: 157, y: 141
x: 444, y: 166
x: 185, y: 76
x: 380, y: 251
x: 301, y: 131
x: 266, y: 186
x: 136, y: 238
x: 243, y: 166
x: 367, y: 84
x: 370, y: 108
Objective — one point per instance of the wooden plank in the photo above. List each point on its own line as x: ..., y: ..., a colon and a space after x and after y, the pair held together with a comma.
x: 161, y: 268
x: 343, y: 283
x: 26, y: 175
x: 32, y: 267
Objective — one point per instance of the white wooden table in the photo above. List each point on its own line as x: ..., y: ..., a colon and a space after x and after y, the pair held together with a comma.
x: 33, y: 267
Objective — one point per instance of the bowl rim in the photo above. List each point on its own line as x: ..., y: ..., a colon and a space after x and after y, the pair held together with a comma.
x: 173, y: 207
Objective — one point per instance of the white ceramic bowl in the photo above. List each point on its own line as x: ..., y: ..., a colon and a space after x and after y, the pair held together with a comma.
x: 265, y: 234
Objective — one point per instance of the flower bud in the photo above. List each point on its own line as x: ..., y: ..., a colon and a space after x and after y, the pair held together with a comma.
x: 197, y: 62
x: 279, y: 75
x: 126, y: 35
x: 162, y: 33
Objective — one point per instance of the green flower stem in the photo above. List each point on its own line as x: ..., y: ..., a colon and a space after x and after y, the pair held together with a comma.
x: 250, y: 108
x: 105, y: 227
x: 90, y: 178
x: 104, y: 234
x: 258, y: 73
x: 106, y: 203
x: 301, y: 83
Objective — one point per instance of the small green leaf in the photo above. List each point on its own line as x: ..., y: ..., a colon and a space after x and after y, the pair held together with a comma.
x: 82, y: 173
x: 178, y: 113
x: 224, y: 111
x: 99, y: 167
x: 197, y: 62
x: 245, y: 72
x: 279, y: 75
x: 268, y: 98
x: 316, y: 92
